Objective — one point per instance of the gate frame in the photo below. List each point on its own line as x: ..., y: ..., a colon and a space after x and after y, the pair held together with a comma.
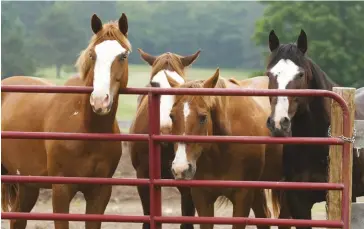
x: 155, y: 182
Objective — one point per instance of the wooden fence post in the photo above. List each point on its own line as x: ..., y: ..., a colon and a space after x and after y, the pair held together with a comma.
x: 336, y: 152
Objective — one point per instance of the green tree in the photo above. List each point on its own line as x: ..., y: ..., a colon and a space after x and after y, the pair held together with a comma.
x: 334, y: 29
x: 14, y: 59
x: 58, y: 41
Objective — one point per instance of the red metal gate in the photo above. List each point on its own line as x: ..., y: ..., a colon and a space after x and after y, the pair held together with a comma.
x: 155, y: 182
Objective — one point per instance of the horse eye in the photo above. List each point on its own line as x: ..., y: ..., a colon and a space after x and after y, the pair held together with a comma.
x: 123, y: 56
x: 92, y: 57
x: 203, y: 119
x: 300, y: 74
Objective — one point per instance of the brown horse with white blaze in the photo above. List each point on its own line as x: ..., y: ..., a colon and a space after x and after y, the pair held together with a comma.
x: 103, y: 65
x: 174, y: 65
x: 229, y: 116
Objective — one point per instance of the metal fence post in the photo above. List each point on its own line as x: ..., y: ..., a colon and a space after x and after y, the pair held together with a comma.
x: 154, y: 158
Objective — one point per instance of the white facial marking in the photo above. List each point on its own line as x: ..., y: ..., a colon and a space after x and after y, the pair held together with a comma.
x: 17, y: 172
x: 161, y: 78
x: 105, y: 54
x: 285, y: 71
x: 181, y: 155
x: 166, y: 100
x: 186, y: 111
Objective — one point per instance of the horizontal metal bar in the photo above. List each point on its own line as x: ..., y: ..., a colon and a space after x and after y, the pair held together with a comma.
x: 176, y: 91
x: 73, y: 136
x: 73, y: 180
x: 75, y: 217
x: 184, y: 91
x: 169, y: 138
x: 173, y: 219
x: 249, y: 184
x: 250, y: 221
x: 46, y: 89
x: 170, y: 183
x: 250, y: 139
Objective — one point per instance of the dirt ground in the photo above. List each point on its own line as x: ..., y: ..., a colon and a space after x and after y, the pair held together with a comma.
x: 125, y: 201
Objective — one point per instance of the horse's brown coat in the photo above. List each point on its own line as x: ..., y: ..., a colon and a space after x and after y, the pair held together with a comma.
x: 63, y: 113
x: 139, y: 150
x: 227, y: 115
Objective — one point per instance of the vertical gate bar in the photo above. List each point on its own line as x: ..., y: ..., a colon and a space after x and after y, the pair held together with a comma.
x: 154, y: 158
x: 346, y: 200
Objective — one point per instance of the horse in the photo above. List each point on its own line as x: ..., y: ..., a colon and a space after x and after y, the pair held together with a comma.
x: 175, y: 66
x: 290, y: 68
x: 227, y: 116
x: 103, y: 65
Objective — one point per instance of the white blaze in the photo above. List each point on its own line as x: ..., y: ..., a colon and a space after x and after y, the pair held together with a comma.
x: 166, y: 100
x: 106, y: 52
x: 180, y: 159
x: 181, y: 155
x: 285, y: 71
x: 186, y: 111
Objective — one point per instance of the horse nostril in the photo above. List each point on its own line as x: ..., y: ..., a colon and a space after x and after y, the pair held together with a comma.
x: 285, y: 123
x: 189, y: 167
x: 106, y: 100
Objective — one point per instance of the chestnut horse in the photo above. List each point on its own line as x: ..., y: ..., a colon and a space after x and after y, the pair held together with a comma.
x: 175, y: 66
x: 103, y: 65
x: 227, y: 116
x: 289, y: 68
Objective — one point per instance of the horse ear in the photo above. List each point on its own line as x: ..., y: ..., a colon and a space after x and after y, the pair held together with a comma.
x: 123, y: 24
x: 212, y: 81
x: 96, y: 24
x: 302, y: 42
x: 273, y: 41
x: 147, y: 57
x: 188, y: 60
x: 171, y: 81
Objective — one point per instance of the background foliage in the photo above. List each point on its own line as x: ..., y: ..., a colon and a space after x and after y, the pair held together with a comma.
x: 231, y: 34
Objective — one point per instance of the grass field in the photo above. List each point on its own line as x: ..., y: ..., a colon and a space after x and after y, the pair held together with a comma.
x: 139, y: 77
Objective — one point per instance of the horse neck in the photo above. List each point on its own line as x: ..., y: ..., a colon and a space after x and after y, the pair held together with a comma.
x: 97, y: 123
x: 316, y: 113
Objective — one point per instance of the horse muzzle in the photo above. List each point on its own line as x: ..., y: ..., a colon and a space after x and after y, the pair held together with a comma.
x: 280, y: 129
x: 101, y: 105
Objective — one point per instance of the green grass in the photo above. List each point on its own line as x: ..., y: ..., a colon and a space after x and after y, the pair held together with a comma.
x: 139, y: 77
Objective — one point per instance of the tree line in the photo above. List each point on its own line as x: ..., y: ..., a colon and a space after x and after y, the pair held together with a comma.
x: 230, y: 34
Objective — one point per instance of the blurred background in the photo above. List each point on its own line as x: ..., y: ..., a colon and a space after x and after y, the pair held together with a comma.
x: 44, y: 39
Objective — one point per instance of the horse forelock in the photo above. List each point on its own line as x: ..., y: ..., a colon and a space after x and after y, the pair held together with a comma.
x: 168, y: 61
x: 110, y: 31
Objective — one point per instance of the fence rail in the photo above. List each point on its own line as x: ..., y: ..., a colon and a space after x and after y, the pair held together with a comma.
x: 154, y: 138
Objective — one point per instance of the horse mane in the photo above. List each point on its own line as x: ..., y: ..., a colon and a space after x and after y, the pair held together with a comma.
x: 318, y: 79
x: 168, y: 61
x: 110, y: 31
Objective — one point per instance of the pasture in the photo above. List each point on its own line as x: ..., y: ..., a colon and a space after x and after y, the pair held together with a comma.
x: 139, y: 77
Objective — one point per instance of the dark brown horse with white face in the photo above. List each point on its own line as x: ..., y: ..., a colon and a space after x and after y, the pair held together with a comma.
x: 226, y: 116
x: 174, y: 65
x: 103, y: 65
x: 289, y: 68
